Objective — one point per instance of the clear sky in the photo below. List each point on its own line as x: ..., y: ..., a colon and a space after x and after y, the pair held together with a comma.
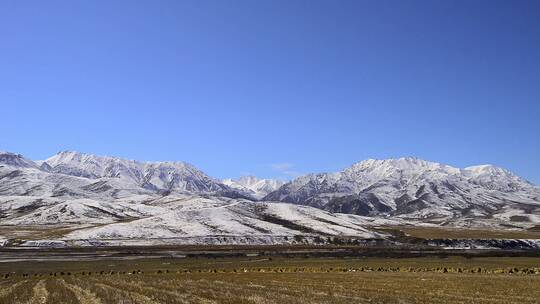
x: 274, y: 88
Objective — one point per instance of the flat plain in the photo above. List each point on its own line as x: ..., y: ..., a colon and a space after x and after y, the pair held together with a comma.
x: 260, y: 279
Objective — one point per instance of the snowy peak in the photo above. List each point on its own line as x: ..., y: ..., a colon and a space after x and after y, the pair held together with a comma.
x: 90, y: 166
x: 251, y: 181
x: 403, y: 162
x: 15, y: 160
x: 155, y: 176
x: 411, y: 169
x: 254, y: 186
x: 410, y: 186
x: 410, y: 165
x: 248, y: 180
x: 179, y: 176
x: 496, y: 178
x: 488, y: 170
x: 75, y: 184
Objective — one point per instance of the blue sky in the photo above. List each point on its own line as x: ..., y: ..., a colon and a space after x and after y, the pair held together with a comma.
x: 274, y: 88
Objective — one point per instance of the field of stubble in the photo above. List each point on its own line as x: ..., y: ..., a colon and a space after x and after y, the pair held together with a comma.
x: 241, y: 280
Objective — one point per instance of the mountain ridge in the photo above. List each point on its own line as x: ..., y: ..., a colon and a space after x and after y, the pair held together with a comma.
x: 111, y: 200
x: 91, y: 173
x: 411, y: 187
x: 408, y: 187
x: 257, y: 187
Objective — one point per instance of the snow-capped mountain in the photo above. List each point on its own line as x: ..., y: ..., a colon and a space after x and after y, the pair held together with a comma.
x: 414, y: 188
x: 256, y: 187
x: 178, y: 219
x: 157, y: 176
x: 15, y: 160
x: 81, y: 175
x: 108, y: 198
x: 491, y: 177
x: 197, y: 217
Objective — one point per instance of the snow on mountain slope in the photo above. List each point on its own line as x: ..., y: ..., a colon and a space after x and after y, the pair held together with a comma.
x: 413, y: 188
x: 79, y: 175
x: 136, y: 200
x: 220, y: 217
x: 30, y: 210
x: 15, y: 160
x: 494, y: 178
x: 156, y: 176
x: 36, y: 182
x: 254, y: 186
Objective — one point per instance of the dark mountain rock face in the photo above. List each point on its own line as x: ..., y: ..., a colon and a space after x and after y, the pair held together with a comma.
x: 73, y: 174
x: 405, y: 188
x: 413, y: 188
x: 359, y: 204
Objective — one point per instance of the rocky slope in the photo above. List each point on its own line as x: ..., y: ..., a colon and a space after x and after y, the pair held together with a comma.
x: 416, y: 189
x: 196, y: 218
x: 80, y: 175
x: 106, y: 198
x: 176, y: 219
x: 155, y: 176
x: 256, y: 187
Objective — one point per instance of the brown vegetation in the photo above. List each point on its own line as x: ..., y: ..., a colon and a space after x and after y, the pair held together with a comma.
x: 276, y: 280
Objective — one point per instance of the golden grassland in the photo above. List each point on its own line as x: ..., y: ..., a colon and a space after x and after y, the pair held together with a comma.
x: 456, y: 233
x: 57, y: 232
x: 36, y: 232
x: 274, y: 280
x: 377, y: 287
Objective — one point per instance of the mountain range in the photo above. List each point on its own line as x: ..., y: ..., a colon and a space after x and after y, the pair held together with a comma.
x: 80, y: 175
x: 256, y: 187
x: 417, y: 189
x: 106, y: 198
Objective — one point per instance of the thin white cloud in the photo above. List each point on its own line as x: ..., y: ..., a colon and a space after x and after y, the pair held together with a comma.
x: 285, y: 169
x: 281, y: 166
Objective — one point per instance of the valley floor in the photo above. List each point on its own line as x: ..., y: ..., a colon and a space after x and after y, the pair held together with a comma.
x: 260, y: 279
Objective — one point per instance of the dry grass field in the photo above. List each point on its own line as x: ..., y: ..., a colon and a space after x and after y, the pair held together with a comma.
x: 276, y: 280
x: 456, y: 233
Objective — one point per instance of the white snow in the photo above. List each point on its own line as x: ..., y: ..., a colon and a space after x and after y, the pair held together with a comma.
x: 254, y: 186
x: 115, y: 199
x: 416, y: 189
x: 226, y: 217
